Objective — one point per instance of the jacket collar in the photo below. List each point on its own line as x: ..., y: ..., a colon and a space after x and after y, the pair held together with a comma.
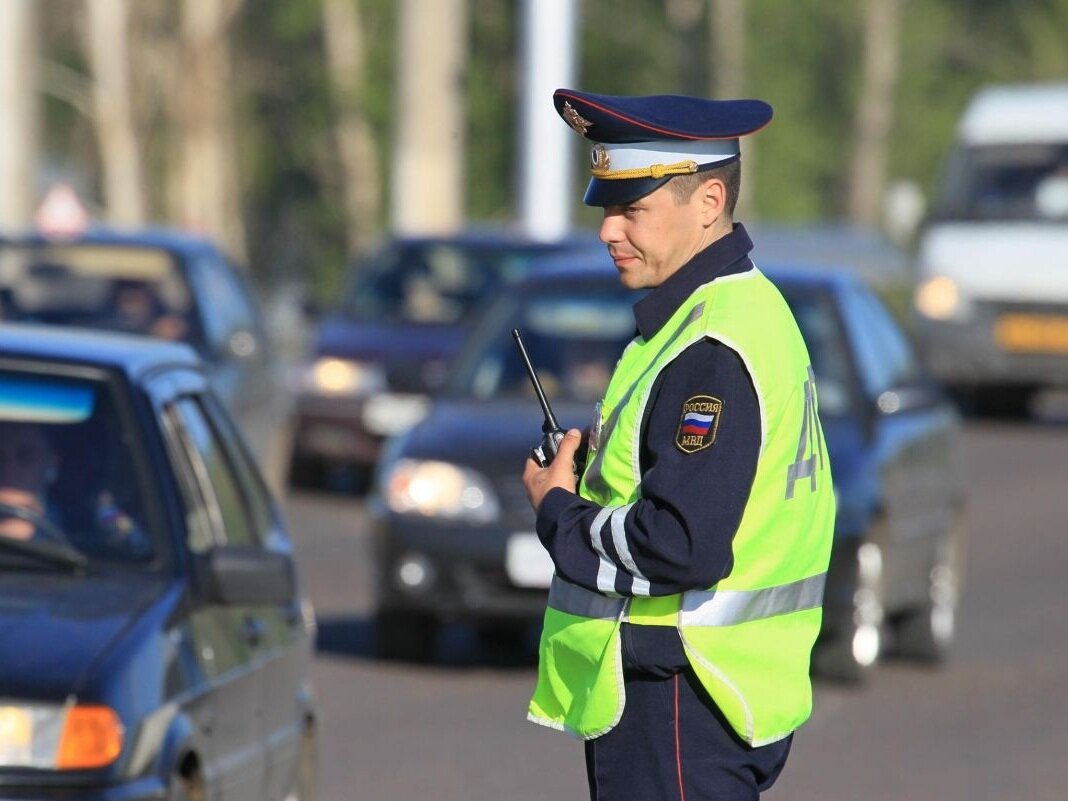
x: 728, y: 255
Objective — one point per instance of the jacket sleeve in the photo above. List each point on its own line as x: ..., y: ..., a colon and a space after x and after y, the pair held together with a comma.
x: 678, y: 535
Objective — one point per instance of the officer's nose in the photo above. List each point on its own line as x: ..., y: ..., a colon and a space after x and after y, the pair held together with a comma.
x: 610, y: 229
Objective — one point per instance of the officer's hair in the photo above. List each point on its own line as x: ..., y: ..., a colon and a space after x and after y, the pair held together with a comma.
x: 683, y: 186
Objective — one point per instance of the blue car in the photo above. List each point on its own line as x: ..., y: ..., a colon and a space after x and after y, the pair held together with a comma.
x: 166, y: 284
x: 155, y: 639
x: 385, y: 349
x: 454, y: 535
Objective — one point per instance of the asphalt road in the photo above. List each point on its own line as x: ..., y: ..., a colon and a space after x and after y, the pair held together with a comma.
x: 990, y: 724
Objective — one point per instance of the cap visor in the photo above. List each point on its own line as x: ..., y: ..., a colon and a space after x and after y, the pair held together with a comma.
x: 607, y: 192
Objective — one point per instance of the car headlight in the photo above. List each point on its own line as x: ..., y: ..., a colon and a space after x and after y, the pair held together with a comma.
x: 54, y: 737
x: 329, y: 375
x: 440, y: 489
x: 939, y: 298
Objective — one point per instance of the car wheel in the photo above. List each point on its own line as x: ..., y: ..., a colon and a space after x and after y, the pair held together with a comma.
x: 926, y: 633
x: 307, y: 767
x: 406, y: 635
x: 850, y: 654
x: 187, y: 788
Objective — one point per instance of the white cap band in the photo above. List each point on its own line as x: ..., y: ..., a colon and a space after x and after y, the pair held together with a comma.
x: 642, y: 155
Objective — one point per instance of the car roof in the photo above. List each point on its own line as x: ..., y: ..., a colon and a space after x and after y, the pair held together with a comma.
x: 583, y: 270
x: 154, y: 237
x: 133, y: 355
x: 1016, y: 113
x: 494, y: 236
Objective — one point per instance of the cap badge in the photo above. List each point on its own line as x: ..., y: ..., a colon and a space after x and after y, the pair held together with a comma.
x: 599, y: 158
x: 575, y: 120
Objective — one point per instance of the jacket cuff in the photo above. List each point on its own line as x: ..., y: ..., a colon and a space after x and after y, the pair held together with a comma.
x: 553, y: 505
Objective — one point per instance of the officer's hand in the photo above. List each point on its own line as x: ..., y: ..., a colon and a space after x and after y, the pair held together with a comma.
x: 539, y: 480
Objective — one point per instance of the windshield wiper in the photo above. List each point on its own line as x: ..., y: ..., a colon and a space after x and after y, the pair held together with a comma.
x: 47, y: 551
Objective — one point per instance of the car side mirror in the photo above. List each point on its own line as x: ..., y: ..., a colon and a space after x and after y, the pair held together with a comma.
x: 233, y: 574
x: 242, y: 344
x: 907, y: 398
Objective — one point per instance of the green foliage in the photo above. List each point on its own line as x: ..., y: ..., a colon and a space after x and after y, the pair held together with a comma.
x: 803, y: 56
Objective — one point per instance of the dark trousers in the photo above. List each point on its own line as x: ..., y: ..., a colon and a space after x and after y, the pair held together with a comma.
x: 672, y: 744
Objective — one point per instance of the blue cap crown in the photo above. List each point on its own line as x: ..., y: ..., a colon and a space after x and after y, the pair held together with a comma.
x: 642, y: 142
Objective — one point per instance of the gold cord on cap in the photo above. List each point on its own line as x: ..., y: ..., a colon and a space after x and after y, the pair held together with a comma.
x: 652, y: 171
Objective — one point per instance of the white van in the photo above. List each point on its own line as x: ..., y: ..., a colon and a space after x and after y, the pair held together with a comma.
x: 992, y: 291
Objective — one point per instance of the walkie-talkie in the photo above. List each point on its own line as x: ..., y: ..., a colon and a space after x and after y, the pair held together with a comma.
x: 551, y: 433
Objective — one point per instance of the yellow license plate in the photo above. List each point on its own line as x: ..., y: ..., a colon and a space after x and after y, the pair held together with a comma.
x: 1032, y: 333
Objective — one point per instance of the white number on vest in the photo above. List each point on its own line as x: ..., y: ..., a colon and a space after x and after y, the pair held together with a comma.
x: 809, y: 443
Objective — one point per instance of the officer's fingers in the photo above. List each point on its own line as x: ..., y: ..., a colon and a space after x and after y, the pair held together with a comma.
x: 529, y: 470
x: 565, y: 452
x: 570, y: 442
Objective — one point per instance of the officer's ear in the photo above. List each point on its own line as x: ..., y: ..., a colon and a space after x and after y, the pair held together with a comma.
x: 713, y: 198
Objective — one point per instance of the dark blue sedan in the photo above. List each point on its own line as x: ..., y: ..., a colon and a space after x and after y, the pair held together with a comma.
x: 456, y: 535
x: 155, y: 641
x: 385, y: 348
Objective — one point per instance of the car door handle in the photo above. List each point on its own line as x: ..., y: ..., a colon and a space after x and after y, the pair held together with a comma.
x: 253, y: 630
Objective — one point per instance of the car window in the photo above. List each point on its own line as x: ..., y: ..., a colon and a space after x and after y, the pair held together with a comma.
x: 133, y: 289
x: 231, y: 311
x: 216, y: 506
x: 434, y: 281
x: 885, y: 357
x: 574, y: 339
x: 69, y: 467
x: 821, y: 328
x: 260, y: 507
x: 1026, y: 181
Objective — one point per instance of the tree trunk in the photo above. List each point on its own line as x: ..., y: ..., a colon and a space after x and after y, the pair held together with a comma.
x: 362, y: 191
x: 106, y: 35
x: 209, y: 192
x: 18, y: 112
x: 875, y: 110
x: 427, y: 192
x: 727, y: 70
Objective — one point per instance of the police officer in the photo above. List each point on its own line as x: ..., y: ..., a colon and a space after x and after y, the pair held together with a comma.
x: 690, y: 557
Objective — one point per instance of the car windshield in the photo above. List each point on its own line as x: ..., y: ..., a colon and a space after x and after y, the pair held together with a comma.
x: 1006, y: 182
x: 574, y: 340
x: 133, y: 289
x: 821, y: 327
x: 434, y: 281
x: 68, y: 482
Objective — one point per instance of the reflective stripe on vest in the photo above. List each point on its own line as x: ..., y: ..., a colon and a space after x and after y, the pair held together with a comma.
x: 699, y: 607
x: 592, y: 476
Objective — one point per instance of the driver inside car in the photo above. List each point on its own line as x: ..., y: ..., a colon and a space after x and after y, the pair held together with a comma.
x: 28, y: 465
x: 29, y: 470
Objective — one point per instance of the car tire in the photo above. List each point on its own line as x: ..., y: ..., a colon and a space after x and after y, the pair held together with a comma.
x: 406, y: 635
x: 926, y: 633
x: 850, y: 654
x: 187, y: 788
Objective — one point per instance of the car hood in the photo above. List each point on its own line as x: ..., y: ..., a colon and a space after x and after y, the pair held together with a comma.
x: 54, y: 627
x: 982, y: 258
x: 354, y: 339
x: 489, y: 435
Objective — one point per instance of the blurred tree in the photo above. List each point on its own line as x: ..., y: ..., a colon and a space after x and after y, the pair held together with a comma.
x: 429, y: 155
x: 344, y: 41
x: 210, y: 193
x: 874, y: 116
x: 726, y: 66
x: 18, y: 118
x: 113, y: 119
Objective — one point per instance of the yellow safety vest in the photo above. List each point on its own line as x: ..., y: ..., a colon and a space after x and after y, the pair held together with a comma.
x: 749, y: 637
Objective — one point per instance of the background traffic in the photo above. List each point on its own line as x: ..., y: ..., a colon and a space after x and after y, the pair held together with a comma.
x: 350, y: 235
